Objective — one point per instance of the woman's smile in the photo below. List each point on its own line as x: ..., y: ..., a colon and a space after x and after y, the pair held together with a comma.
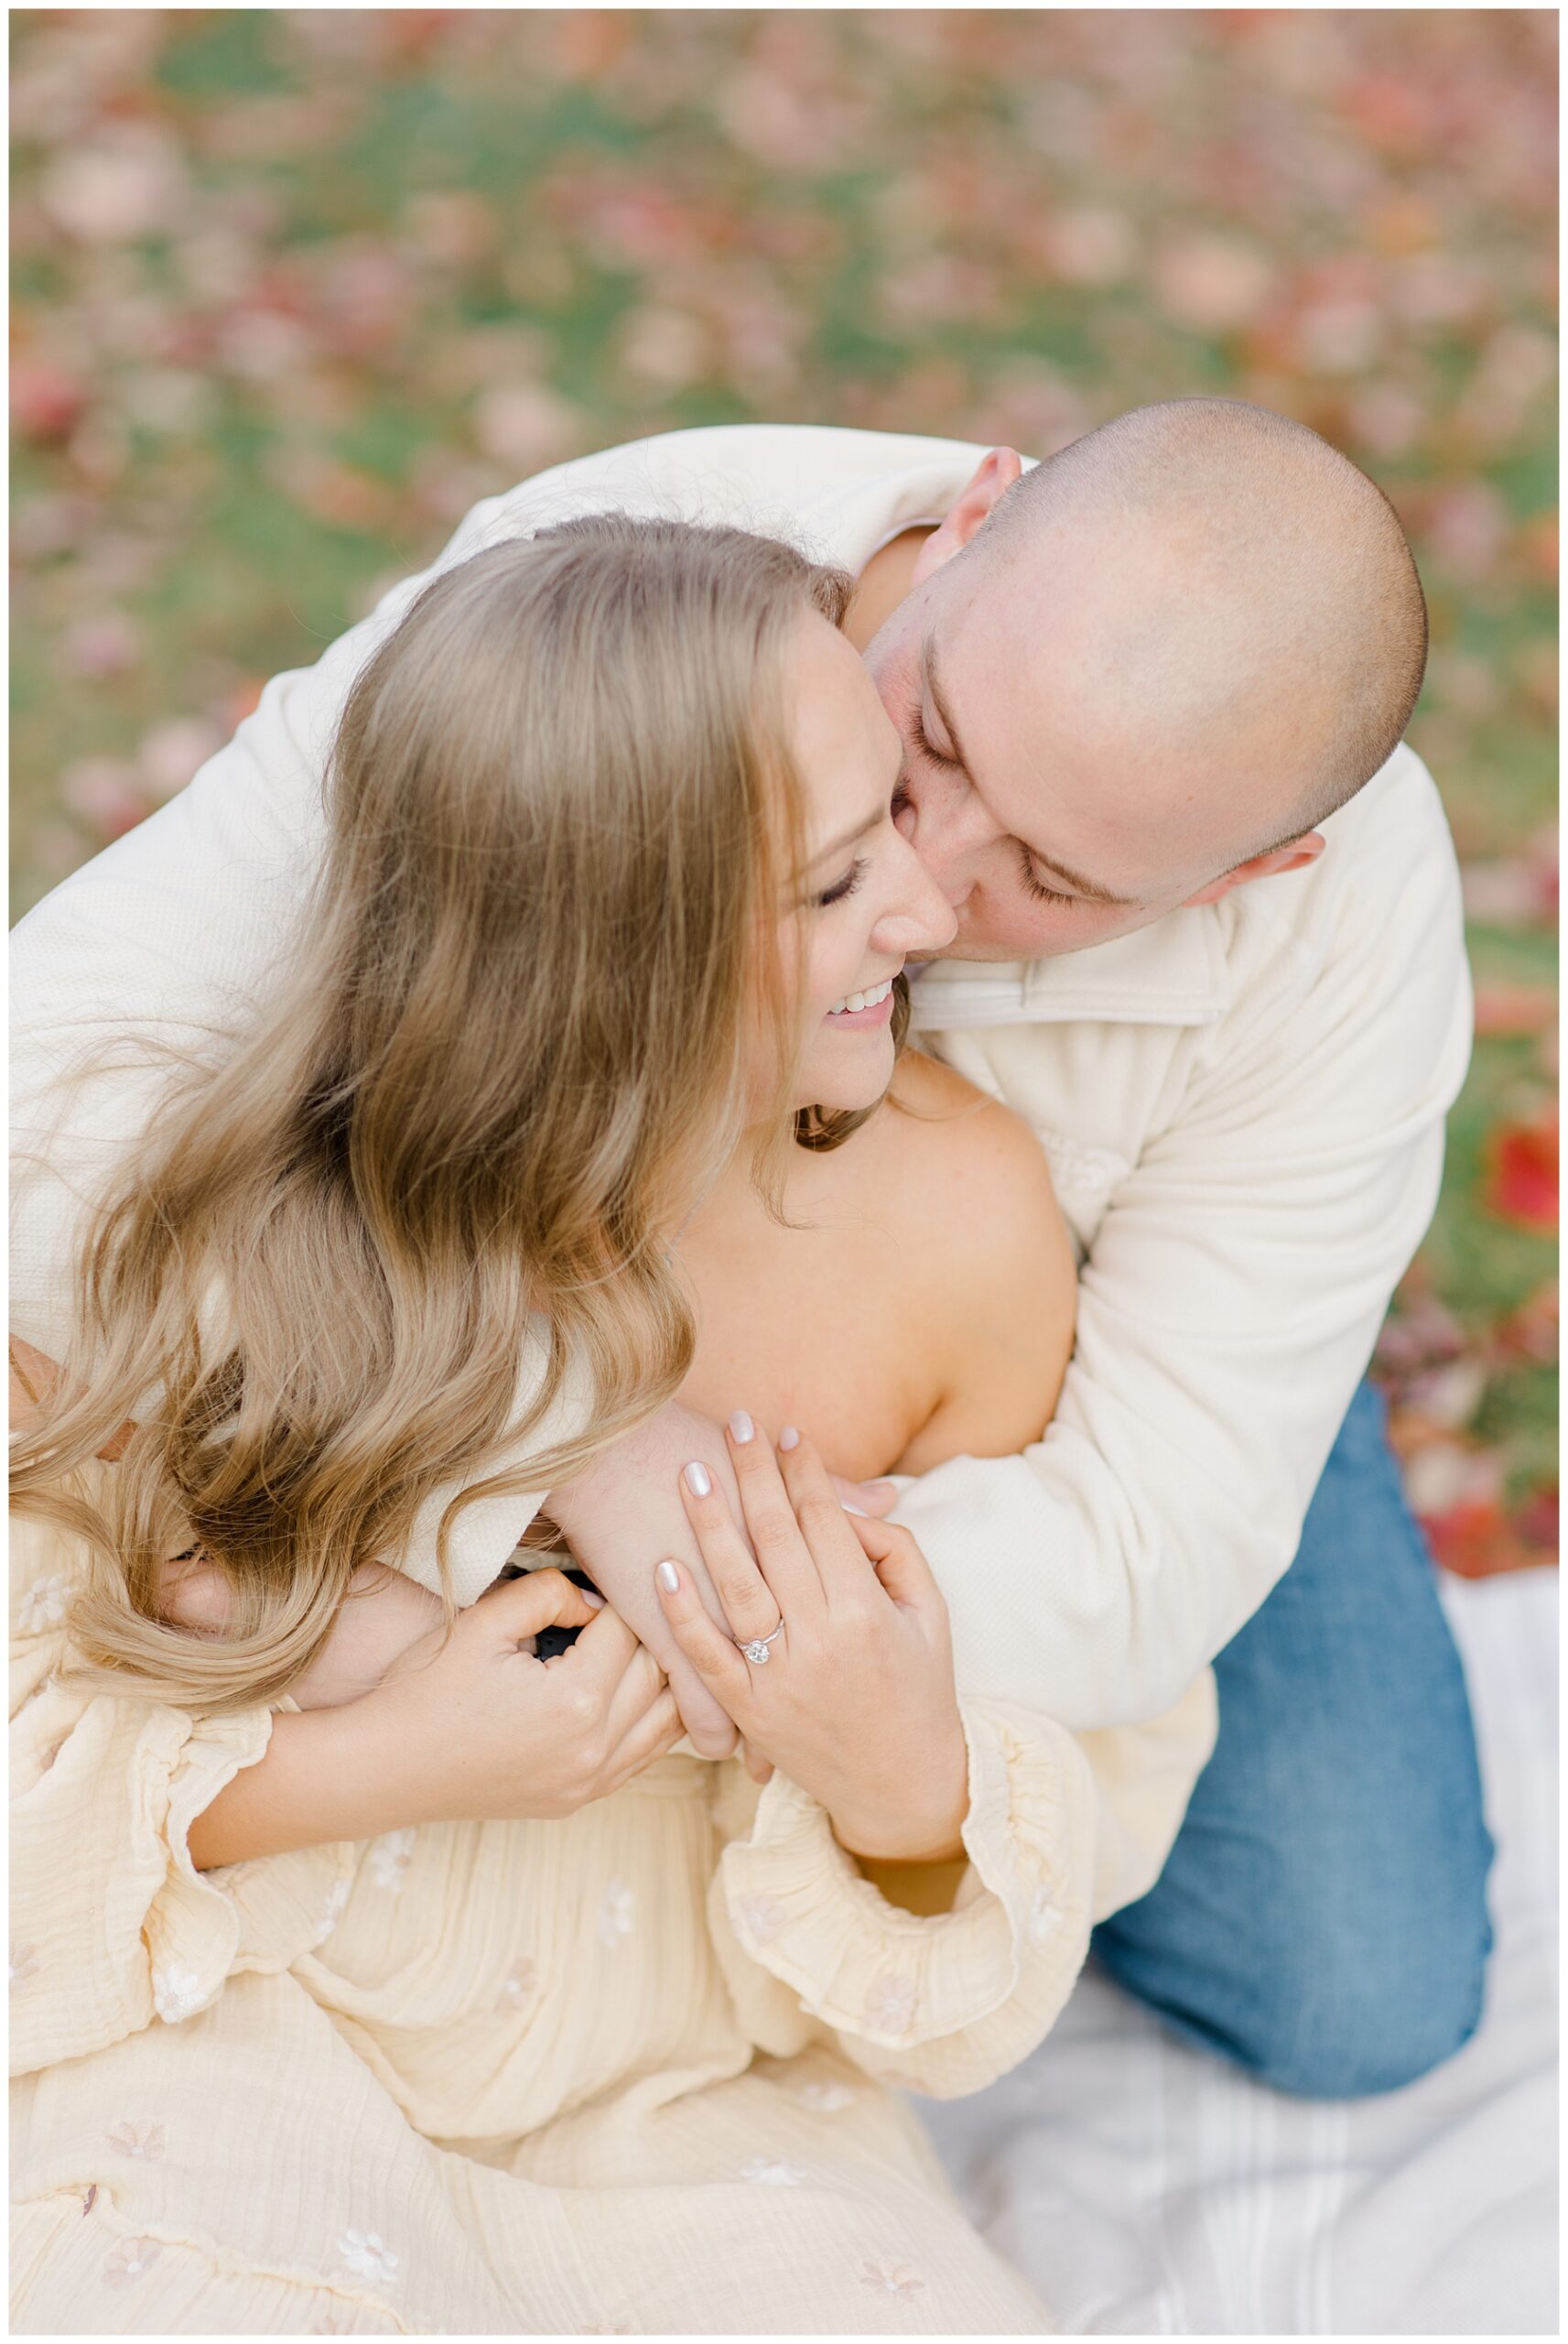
x: 871, y: 1007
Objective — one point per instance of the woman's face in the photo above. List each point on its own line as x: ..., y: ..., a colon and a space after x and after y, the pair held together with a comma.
x: 865, y: 901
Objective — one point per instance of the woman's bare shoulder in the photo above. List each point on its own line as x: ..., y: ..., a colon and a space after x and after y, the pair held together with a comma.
x: 954, y: 1135
x: 980, y: 1216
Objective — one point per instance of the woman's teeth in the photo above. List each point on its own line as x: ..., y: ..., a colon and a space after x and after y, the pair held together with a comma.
x: 863, y: 1000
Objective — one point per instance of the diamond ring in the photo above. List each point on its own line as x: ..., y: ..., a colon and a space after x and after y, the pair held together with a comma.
x: 757, y: 1651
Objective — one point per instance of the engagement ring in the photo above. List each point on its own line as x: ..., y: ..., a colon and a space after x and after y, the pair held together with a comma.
x: 757, y: 1651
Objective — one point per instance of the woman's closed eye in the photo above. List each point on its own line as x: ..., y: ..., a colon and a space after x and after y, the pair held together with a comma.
x: 847, y: 886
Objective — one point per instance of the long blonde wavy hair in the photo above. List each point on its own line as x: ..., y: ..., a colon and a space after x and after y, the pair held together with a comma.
x: 515, y: 1041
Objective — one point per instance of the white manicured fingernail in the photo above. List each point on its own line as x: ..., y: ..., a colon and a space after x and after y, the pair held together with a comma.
x: 591, y: 1596
x: 697, y: 1481
x: 789, y: 1437
x: 857, y: 1509
x: 668, y: 1578
x: 741, y: 1428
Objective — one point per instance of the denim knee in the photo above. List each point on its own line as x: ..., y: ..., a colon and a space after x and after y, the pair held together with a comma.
x: 1368, y: 2044
x: 1326, y: 1978
x: 1360, y: 2008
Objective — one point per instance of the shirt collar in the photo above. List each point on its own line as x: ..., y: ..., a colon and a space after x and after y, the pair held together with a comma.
x: 1170, y: 973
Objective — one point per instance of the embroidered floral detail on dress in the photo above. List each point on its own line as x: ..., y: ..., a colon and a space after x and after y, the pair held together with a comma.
x: 23, y: 1967
x: 519, y: 1986
x: 337, y: 1904
x: 762, y: 1917
x: 44, y: 1604
x: 178, y: 1994
x: 617, y: 1914
x: 890, y: 2006
x: 368, y: 2256
x: 827, y: 2098
x: 390, y: 1857
x: 1045, y: 1917
x: 149, y: 2141
x: 132, y: 2258
x: 890, y: 2278
x: 771, y: 2173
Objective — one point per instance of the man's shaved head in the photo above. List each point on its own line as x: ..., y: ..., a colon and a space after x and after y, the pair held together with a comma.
x: 1137, y: 675
x: 1245, y: 568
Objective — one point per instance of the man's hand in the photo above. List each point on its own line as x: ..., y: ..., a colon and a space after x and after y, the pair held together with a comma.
x: 622, y: 1514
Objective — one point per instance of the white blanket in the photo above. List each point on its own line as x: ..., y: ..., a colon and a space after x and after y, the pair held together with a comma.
x: 1149, y: 2190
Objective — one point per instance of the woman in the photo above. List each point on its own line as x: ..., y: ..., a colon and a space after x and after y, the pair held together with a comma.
x: 578, y: 2040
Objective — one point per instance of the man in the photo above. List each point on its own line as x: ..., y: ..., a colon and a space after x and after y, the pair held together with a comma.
x: 1151, y: 696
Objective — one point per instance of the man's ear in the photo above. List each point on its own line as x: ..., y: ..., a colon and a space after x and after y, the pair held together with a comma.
x: 1294, y: 856
x: 977, y: 501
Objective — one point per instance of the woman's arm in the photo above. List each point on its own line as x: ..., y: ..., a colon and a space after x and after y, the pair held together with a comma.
x: 856, y: 1704
x: 316, y: 1782
x: 467, y: 1727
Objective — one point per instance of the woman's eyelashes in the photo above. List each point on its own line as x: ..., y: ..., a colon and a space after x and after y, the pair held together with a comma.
x: 847, y: 886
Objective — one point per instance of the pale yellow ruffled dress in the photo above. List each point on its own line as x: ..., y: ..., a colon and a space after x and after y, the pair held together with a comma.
x: 624, y: 2073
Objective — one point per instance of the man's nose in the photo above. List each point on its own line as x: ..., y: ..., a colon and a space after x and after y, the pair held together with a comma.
x: 920, y: 919
x: 950, y: 830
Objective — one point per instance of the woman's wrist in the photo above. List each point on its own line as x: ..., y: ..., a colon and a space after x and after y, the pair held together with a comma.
x: 922, y: 1827
x: 903, y: 1841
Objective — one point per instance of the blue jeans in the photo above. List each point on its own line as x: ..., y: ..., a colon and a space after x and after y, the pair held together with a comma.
x: 1322, y: 1918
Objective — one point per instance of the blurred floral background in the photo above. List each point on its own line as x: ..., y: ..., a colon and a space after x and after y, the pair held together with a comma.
x: 293, y: 288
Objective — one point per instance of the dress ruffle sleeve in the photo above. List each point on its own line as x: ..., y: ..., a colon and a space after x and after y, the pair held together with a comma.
x: 112, y: 1925
x: 941, y: 2004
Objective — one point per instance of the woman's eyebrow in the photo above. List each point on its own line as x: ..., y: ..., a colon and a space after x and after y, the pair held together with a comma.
x: 850, y: 838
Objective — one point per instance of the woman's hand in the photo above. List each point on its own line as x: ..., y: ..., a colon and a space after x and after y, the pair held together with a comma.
x: 855, y: 1700
x: 622, y: 1513
x: 477, y: 1727
x: 465, y: 1727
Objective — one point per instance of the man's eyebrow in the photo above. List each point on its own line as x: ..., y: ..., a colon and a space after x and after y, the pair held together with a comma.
x: 933, y: 683
x: 1089, y: 888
